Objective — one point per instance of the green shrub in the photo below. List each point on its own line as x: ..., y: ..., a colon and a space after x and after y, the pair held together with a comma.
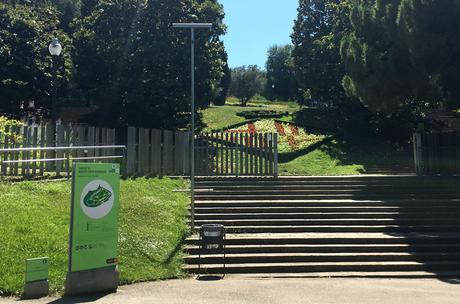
x: 261, y: 114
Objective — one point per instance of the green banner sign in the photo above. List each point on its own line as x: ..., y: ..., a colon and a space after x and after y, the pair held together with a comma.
x: 94, y: 216
x: 36, y: 269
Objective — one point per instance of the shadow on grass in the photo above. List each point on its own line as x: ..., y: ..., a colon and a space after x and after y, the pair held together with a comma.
x: 179, y: 246
x: 288, y: 157
x: 375, y: 156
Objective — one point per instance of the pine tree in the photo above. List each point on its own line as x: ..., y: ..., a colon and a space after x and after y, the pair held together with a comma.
x: 402, y: 51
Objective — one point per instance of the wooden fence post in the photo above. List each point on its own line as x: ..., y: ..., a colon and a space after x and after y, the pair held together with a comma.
x: 418, y: 153
x: 131, y: 152
x: 168, y: 153
x: 275, y: 146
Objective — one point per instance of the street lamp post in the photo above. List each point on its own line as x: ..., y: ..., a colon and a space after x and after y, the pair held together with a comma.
x: 55, y: 50
x: 192, y: 27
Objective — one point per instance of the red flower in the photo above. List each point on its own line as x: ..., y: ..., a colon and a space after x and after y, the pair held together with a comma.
x: 279, y: 127
x: 292, y: 142
x: 294, y: 130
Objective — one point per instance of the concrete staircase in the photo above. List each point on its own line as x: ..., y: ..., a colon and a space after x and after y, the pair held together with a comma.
x: 364, y: 226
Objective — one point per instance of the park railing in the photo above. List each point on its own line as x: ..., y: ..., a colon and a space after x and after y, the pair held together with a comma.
x: 237, y: 154
x: 35, y: 151
x: 437, y: 153
x: 36, y: 166
x: 157, y: 152
x: 42, y: 150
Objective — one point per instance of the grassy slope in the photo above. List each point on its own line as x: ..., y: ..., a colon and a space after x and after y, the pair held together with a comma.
x: 350, y: 155
x: 346, y: 156
x: 34, y: 219
x: 216, y: 118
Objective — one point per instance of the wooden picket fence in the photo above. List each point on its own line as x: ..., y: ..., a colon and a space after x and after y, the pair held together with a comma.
x: 437, y: 153
x: 42, y: 136
x: 237, y: 154
x: 157, y: 152
x: 150, y: 152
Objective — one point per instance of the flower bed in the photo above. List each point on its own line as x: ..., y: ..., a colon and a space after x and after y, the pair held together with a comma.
x: 290, y: 137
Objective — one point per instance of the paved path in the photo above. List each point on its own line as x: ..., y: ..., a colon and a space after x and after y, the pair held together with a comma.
x: 267, y: 291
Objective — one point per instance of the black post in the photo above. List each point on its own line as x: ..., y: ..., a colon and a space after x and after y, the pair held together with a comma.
x: 53, y: 104
x: 54, y: 92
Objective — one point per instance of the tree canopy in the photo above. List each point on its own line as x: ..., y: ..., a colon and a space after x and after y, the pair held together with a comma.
x: 318, y: 30
x: 25, y: 64
x: 399, y: 51
x: 246, y: 82
x: 122, y: 56
x: 281, y: 83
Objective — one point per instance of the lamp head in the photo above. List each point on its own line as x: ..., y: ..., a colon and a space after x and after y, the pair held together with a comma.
x: 55, y: 47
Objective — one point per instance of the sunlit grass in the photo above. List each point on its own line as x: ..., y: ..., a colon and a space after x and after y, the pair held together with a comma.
x: 219, y: 117
x: 34, y: 222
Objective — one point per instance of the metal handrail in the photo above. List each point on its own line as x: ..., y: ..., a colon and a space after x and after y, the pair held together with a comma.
x: 61, y: 148
x: 68, y: 157
x: 61, y: 159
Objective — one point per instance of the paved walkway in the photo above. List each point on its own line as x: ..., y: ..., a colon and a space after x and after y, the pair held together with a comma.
x: 267, y: 291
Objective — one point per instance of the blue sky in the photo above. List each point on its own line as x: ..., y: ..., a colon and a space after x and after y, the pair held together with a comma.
x: 255, y: 25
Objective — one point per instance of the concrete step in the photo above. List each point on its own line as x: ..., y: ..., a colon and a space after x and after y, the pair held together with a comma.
x: 402, y: 203
x: 345, y: 229
x: 339, y: 179
x: 335, y: 248
x: 318, y: 239
x: 264, y: 258
x: 401, y: 226
x: 336, y: 214
x: 325, y: 188
x: 320, y: 196
x: 452, y: 275
x: 334, y: 222
x: 356, y: 179
x: 342, y: 210
x: 327, y: 267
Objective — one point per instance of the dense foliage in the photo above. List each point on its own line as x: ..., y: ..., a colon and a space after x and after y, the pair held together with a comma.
x: 25, y: 64
x: 246, y: 82
x: 397, y: 57
x: 318, y: 30
x: 127, y: 59
x: 281, y: 83
x: 387, y: 53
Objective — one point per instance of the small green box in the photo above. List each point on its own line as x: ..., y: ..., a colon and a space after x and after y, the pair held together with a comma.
x: 36, y: 269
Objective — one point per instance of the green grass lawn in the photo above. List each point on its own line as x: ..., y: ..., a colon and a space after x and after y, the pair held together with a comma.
x: 219, y: 117
x: 351, y: 151
x: 34, y: 219
x: 347, y: 156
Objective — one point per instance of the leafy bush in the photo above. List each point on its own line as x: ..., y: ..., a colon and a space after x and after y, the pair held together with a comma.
x: 261, y: 114
x: 5, y: 128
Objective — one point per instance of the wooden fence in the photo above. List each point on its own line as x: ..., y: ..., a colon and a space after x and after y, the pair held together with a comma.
x: 42, y: 136
x: 150, y: 152
x: 156, y: 152
x: 437, y: 153
x: 238, y: 154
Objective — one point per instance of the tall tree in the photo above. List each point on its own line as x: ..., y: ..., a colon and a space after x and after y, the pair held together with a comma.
x: 247, y: 82
x: 25, y: 63
x: 401, y: 51
x: 429, y: 30
x: 281, y: 83
x: 318, y: 30
x: 135, y: 66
